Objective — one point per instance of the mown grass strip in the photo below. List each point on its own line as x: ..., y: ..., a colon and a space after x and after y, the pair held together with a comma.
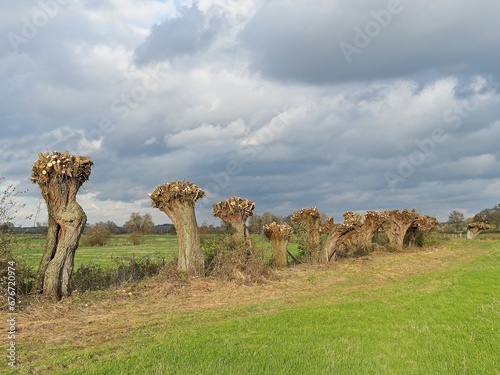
x: 438, y: 322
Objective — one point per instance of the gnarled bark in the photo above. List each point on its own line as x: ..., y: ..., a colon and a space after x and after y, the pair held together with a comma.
x: 330, y: 248
x: 355, y: 230
x: 59, y: 177
x: 71, y: 221
x: 398, y: 224
x: 279, y: 235
x: 177, y: 200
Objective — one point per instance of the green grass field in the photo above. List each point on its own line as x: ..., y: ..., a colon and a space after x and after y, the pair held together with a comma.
x: 119, y: 247
x: 431, y: 311
x: 31, y: 249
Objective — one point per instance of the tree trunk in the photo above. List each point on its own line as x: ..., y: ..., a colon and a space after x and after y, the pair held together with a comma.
x: 395, y: 233
x: 239, y: 228
x: 330, y: 247
x: 71, y: 220
x: 242, y: 234
x: 279, y: 252
x: 314, y: 243
x: 48, y: 254
x: 472, y: 233
x: 190, y: 255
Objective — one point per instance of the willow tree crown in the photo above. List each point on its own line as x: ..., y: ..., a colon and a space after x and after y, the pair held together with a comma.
x: 62, y: 166
x: 403, y: 216
x: 479, y: 225
x: 177, y: 191
x: 305, y: 215
x: 425, y: 223
x: 234, y: 209
x: 278, y: 231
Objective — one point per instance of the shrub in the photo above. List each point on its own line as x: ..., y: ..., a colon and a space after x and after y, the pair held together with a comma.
x: 136, y: 239
x: 24, y: 274
x: 93, y: 277
x: 96, y: 277
x: 96, y: 235
x: 231, y: 259
x: 431, y: 238
x: 300, y: 238
x: 209, y: 247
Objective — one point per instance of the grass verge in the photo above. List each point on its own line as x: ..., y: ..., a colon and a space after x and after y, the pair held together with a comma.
x: 435, y: 311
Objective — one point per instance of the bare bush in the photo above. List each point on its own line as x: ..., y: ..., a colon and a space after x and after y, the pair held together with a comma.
x: 233, y: 261
x: 96, y: 235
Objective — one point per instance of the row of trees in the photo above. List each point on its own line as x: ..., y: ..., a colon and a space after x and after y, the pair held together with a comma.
x: 60, y: 175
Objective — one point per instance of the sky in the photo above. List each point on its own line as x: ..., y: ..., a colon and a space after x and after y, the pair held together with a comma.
x: 359, y: 105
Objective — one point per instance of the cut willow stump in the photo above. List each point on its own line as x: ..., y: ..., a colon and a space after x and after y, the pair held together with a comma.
x: 279, y: 235
x: 177, y: 200
x: 309, y: 219
x: 423, y: 224
x: 59, y: 177
x: 473, y: 229
x: 235, y: 211
x: 398, y: 224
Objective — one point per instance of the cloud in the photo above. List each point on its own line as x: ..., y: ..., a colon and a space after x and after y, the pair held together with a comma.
x: 330, y: 42
x: 257, y: 99
x: 207, y: 136
x: 187, y: 34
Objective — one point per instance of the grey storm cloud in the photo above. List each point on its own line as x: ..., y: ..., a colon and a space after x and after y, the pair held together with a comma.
x: 359, y: 105
x: 187, y: 34
x: 322, y: 42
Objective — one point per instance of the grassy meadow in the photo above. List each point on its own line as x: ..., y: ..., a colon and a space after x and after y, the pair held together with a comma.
x: 433, y: 310
x: 119, y: 246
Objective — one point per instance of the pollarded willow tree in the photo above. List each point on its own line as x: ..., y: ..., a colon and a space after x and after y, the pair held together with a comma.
x: 349, y: 231
x: 279, y: 235
x: 354, y: 233
x: 398, y: 224
x: 473, y: 229
x: 372, y: 222
x: 355, y: 230
x: 235, y: 211
x: 423, y: 224
x: 59, y: 176
x: 310, y: 220
x: 177, y: 200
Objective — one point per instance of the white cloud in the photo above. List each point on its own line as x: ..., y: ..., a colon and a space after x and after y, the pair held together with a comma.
x: 207, y: 135
x: 263, y: 87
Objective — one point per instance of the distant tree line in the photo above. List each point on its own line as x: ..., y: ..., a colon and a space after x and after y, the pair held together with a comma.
x: 458, y: 223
